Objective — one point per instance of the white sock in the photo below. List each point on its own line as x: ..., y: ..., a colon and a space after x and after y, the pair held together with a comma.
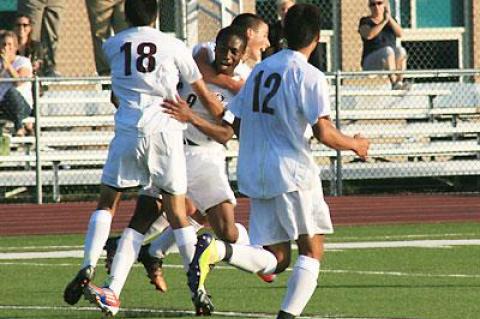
x: 249, y: 258
x: 127, y: 252
x: 161, y: 246
x: 243, y: 238
x: 157, y: 228
x: 301, y: 285
x: 186, y: 238
x: 97, y: 235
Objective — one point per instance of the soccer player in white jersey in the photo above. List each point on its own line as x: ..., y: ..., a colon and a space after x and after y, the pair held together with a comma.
x: 283, y: 95
x: 148, y: 145
x: 207, y: 183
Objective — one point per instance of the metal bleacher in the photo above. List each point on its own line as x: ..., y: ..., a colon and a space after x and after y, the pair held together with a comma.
x: 426, y: 136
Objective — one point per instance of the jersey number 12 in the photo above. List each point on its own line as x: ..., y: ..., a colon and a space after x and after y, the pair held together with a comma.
x: 145, y: 51
x: 272, y: 82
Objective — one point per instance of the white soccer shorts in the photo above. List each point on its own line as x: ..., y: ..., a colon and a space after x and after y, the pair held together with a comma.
x: 207, y: 181
x: 288, y: 215
x: 158, y: 158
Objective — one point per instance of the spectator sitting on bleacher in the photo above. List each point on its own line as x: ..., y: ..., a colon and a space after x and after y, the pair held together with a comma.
x: 379, y: 32
x: 26, y: 46
x: 15, y: 97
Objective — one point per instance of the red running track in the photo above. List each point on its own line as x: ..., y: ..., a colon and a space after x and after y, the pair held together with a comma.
x: 71, y: 218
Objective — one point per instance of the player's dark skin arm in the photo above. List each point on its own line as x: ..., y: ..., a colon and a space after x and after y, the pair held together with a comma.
x: 221, y: 132
x: 210, y: 76
x: 326, y: 133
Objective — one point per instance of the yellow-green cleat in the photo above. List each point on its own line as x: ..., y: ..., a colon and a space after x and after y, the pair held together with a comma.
x: 206, y: 255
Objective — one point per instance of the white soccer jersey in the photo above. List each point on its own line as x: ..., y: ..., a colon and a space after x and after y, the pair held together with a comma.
x: 192, y: 133
x: 146, y: 64
x: 242, y: 70
x: 281, y: 97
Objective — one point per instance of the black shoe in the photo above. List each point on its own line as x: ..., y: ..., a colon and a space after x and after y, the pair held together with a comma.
x: 111, y: 247
x: 153, y: 267
x: 202, y: 302
x: 74, y: 289
x: 285, y: 315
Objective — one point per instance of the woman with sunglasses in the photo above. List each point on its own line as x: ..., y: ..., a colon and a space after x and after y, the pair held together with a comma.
x: 379, y: 32
x: 26, y: 46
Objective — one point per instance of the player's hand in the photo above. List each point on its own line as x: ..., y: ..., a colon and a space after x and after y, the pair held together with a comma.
x: 361, y: 146
x: 178, y: 109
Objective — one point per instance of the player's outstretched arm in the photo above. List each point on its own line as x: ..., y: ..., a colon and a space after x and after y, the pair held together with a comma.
x: 210, y: 76
x: 182, y: 112
x: 326, y: 133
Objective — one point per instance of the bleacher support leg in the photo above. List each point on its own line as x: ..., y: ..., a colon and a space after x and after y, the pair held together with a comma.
x: 56, y: 182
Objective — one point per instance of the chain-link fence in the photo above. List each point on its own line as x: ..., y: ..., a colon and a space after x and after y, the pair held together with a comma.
x: 436, y: 34
x: 426, y: 139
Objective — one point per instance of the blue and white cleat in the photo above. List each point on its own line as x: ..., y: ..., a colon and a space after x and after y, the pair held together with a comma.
x: 206, y: 255
x: 103, y: 298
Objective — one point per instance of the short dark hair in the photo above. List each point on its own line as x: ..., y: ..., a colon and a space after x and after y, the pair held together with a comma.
x: 232, y: 31
x: 248, y: 21
x: 302, y: 25
x: 141, y: 12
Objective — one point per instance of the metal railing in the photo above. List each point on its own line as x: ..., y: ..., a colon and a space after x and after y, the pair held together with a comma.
x: 429, y: 131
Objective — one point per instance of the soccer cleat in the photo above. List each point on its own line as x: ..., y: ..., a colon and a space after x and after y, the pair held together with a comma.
x: 205, y: 257
x: 74, y: 289
x: 202, y: 302
x: 153, y: 267
x: 103, y: 298
x: 268, y: 278
x: 111, y: 248
x: 285, y: 315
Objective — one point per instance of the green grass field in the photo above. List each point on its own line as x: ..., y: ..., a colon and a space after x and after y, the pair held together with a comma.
x: 437, y: 282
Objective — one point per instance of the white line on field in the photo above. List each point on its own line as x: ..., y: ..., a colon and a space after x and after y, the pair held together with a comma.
x: 41, y: 247
x: 161, y: 311
x: 329, y: 246
x: 224, y: 267
x: 343, y: 238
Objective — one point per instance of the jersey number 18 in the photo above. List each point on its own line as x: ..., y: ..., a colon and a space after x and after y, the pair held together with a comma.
x: 145, y: 51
